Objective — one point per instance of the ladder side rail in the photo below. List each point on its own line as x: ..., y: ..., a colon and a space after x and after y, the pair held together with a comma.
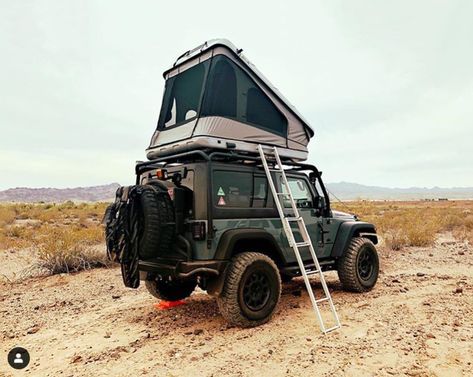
x: 309, y: 289
x: 286, y: 183
x: 271, y: 182
x: 322, y: 278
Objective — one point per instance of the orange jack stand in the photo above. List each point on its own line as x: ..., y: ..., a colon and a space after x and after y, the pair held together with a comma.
x: 165, y: 305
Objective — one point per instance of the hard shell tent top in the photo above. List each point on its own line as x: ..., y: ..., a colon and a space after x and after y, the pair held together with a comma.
x: 215, y: 98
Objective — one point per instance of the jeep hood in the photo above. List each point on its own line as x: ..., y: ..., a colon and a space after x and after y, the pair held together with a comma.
x: 343, y: 215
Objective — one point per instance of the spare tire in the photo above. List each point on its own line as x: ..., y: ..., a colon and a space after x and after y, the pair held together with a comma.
x: 157, y: 231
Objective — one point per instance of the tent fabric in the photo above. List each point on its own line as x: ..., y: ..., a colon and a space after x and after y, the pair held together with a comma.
x: 213, y: 96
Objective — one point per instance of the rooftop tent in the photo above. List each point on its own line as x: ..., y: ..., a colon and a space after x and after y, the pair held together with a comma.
x: 214, y: 98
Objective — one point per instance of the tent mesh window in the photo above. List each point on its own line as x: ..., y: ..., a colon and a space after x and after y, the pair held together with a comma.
x: 182, y: 97
x: 233, y: 94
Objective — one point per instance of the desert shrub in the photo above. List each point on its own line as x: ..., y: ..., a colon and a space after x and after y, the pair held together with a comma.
x: 403, y: 224
x: 7, y: 215
x: 71, y: 250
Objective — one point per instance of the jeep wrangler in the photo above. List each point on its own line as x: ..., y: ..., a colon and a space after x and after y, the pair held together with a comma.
x: 208, y: 219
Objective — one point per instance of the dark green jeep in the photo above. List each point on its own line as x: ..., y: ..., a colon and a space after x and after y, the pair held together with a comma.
x: 209, y: 219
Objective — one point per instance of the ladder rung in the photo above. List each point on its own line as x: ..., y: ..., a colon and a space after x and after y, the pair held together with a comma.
x: 313, y: 272
x: 331, y: 329
x: 282, y: 193
x: 293, y: 218
x: 302, y: 244
x: 322, y: 299
x: 278, y: 170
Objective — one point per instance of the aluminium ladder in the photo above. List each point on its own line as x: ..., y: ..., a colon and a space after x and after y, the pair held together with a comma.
x: 306, y: 241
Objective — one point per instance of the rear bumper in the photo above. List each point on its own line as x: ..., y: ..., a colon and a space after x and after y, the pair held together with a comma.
x: 180, y: 269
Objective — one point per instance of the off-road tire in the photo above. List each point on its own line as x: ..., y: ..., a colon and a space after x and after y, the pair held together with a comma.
x: 242, y: 277
x: 157, y: 210
x: 348, y: 267
x: 170, y: 290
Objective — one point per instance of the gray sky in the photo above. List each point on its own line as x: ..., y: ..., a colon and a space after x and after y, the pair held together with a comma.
x: 387, y: 85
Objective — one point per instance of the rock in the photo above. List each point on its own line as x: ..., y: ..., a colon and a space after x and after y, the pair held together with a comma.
x: 461, y: 252
x: 188, y: 333
x: 429, y: 335
x: 270, y: 352
x: 456, y: 323
x: 458, y: 290
x: 296, y: 305
x: 76, y: 359
x: 108, y: 334
x: 33, y: 330
x: 420, y: 274
x: 431, y: 255
x: 115, y: 297
x: 198, y: 331
x: 396, y: 281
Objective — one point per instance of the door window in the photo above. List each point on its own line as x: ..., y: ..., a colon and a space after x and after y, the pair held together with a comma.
x: 300, y: 192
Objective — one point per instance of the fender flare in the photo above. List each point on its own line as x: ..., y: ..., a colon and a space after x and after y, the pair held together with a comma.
x: 350, y: 229
x: 229, y: 239
x: 226, y: 247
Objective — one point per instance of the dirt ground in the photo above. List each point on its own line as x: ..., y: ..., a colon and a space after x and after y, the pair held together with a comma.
x: 418, y: 321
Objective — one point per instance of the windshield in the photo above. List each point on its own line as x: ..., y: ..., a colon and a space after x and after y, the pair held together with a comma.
x: 182, y: 96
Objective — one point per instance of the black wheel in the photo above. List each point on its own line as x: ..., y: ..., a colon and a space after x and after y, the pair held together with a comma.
x: 156, y: 211
x: 170, y: 290
x: 251, y: 290
x: 358, y: 268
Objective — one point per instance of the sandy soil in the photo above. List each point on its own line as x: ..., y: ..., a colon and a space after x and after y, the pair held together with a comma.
x: 418, y: 321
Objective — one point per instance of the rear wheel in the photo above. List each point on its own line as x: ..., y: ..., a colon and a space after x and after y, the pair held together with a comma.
x: 251, y: 290
x: 358, y: 268
x: 170, y: 290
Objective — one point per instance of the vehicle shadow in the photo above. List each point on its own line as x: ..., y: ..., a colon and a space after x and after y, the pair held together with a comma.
x: 201, y: 310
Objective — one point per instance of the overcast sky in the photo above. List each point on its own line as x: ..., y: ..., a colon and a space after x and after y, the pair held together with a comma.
x: 387, y: 85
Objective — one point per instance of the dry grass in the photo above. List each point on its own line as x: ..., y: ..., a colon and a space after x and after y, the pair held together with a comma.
x: 417, y: 223
x: 65, y: 235
x: 71, y: 249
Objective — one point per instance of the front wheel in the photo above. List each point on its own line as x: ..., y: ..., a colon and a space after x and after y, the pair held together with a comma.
x: 358, y: 268
x: 251, y: 290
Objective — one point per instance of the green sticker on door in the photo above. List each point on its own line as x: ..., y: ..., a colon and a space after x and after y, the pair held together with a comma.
x: 220, y: 191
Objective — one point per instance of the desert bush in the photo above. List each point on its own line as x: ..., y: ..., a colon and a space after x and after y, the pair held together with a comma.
x: 7, y: 215
x: 71, y: 250
x: 403, y: 224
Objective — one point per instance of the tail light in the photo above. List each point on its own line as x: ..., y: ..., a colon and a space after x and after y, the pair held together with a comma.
x: 162, y: 174
x: 198, y: 230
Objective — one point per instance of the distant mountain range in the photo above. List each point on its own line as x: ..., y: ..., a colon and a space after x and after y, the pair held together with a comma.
x: 77, y: 194
x: 353, y: 191
x: 342, y: 190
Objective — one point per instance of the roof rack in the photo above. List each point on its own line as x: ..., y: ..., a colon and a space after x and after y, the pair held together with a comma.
x: 217, y: 156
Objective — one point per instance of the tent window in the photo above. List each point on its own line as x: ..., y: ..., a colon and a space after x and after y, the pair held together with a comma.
x: 233, y: 94
x: 182, y: 97
x: 222, y: 95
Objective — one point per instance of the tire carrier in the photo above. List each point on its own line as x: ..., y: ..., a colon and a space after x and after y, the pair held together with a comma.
x: 273, y: 154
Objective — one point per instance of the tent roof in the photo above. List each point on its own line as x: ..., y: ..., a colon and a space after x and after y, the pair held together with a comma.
x: 210, y: 44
